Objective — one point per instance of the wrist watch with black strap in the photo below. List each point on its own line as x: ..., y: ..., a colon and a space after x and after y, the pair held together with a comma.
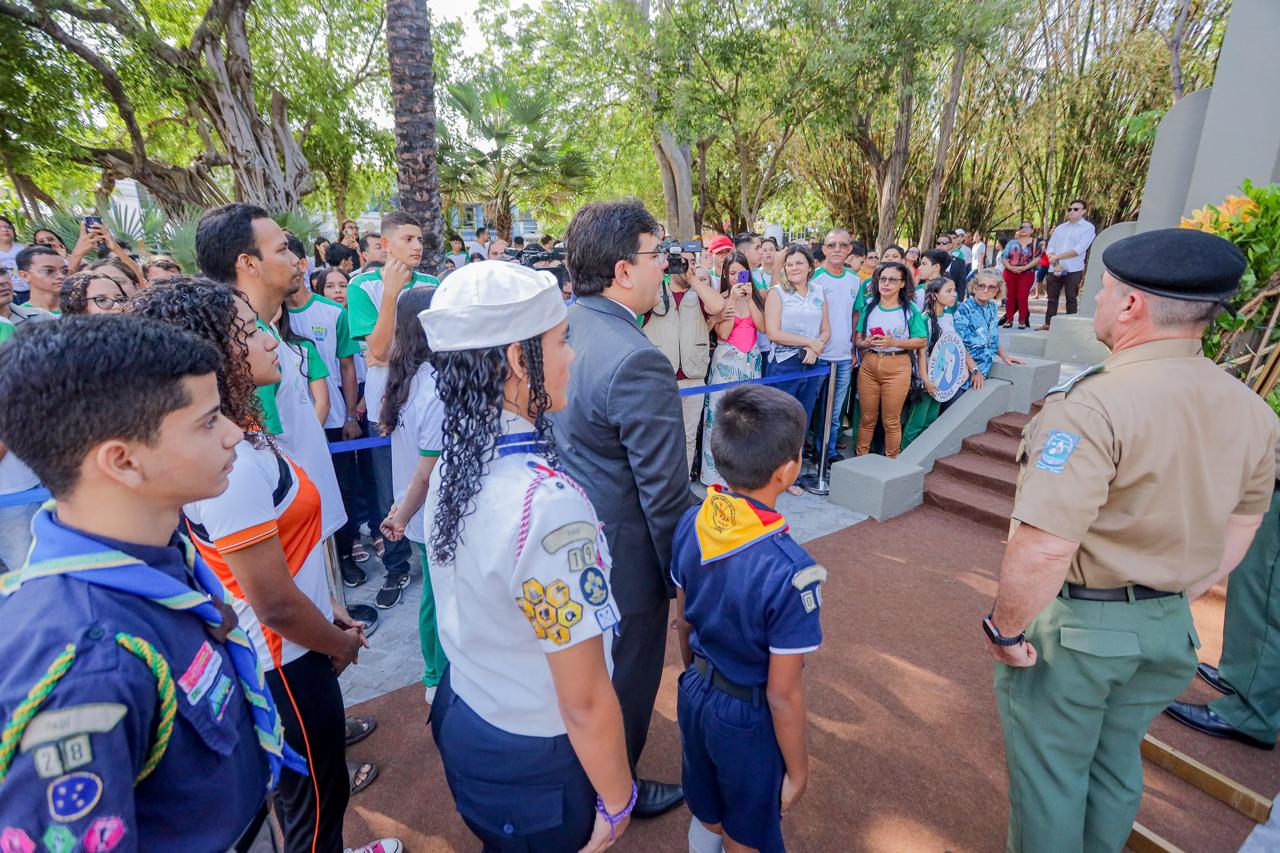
x: 994, y: 635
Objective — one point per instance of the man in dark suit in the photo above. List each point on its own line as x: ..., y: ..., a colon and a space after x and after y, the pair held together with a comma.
x: 959, y: 269
x: 622, y: 438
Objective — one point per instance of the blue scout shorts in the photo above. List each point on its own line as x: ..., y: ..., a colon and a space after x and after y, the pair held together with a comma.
x: 515, y: 792
x: 732, y: 766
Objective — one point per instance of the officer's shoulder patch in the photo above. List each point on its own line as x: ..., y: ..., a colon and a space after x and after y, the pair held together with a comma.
x: 806, y: 577
x: 1058, y: 447
x: 1065, y: 387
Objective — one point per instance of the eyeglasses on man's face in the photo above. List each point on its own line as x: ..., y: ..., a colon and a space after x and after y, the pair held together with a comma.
x: 943, y: 241
x: 843, y: 244
x: 1075, y: 208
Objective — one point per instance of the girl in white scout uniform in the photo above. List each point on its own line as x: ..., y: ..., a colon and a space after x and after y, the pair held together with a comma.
x: 525, y: 718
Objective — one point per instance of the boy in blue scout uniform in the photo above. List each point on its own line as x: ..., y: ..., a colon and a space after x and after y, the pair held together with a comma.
x: 747, y: 602
x: 135, y: 717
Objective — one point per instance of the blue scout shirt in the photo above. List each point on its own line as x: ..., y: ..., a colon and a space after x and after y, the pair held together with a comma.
x: 749, y: 589
x: 72, y: 781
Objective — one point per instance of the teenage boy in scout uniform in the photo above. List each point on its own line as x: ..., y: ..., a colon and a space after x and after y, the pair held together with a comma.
x: 135, y: 715
x: 747, y: 604
x: 1129, y: 506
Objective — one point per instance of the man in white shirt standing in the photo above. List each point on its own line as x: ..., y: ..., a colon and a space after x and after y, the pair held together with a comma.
x: 1067, y: 249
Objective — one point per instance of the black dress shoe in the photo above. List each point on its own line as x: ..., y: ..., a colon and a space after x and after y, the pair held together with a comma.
x: 1202, y: 719
x: 1209, y: 675
x: 655, y: 798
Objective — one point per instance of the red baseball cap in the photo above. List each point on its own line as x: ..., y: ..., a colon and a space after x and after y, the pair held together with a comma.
x: 719, y: 244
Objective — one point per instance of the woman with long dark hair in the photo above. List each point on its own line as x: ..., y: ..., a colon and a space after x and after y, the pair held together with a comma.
x: 526, y: 718
x: 414, y: 418
x: 262, y: 538
x: 889, y: 329
x: 737, y: 356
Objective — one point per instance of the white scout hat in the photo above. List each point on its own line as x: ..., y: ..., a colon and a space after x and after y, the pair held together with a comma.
x: 491, y: 303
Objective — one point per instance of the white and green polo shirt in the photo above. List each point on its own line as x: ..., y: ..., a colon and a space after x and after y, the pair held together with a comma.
x: 324, y: 322
x: 364, y: 297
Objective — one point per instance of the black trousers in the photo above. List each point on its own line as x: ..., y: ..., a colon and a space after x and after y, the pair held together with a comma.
x: 311, y: 807
x: 348, y: 473
x: 395, y: 555
x: 1055, y: 285
x: 638, y: 653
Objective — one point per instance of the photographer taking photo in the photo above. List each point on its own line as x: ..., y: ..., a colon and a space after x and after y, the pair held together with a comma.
x: 677, y: 326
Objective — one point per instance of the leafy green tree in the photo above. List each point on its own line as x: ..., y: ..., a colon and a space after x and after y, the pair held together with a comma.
x: 509, y: 156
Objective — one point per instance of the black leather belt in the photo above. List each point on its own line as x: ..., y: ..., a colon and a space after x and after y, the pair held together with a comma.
x: 724, y: 685
x: 1140, y: 593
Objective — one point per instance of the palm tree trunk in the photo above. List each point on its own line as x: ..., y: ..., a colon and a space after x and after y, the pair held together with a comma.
x: 410, y: 56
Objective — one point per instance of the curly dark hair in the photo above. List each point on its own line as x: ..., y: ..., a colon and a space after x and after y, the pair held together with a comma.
x: 73, y: 294
x: 208, y: 308
x: 409, y: 350
x: 470, y: 385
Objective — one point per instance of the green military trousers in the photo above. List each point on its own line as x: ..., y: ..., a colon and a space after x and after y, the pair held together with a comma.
x: 433, y: 656
x: 1251, y: 636
x: 1073, y: 723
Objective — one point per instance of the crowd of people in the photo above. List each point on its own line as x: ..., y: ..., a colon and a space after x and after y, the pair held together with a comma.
x: 206, y: 481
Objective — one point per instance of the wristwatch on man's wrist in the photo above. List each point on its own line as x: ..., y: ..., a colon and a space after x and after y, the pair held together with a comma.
x: 994, y: 635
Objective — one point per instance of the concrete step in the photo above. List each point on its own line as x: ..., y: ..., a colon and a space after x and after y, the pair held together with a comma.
x: 996, y: 445
x: 1010, y: 423
x: 958, y: 497
x: 994, y: 475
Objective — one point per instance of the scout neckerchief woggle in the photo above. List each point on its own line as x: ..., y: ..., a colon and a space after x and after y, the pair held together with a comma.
x: 68, y: 553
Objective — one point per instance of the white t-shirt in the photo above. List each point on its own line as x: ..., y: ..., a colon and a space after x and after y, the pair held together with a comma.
x: 530, y: 577
x: 841, y: 291
x: 895, y: 325
x: 303, y: 436
x: 266, y: 496
x: 324, y: 322
x: 979, y: 255
x: 364, y: 299
x: 9, y: 259
x: 419, y: 432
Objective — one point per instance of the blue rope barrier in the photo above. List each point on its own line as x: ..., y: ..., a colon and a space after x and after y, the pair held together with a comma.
x: 358, y: 444
x: 39, y: 495
x: 30, y: 496
x: 764, y: 380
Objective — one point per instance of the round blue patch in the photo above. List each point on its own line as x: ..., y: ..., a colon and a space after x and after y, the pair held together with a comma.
x: 595, y: 589
x: 73, y: 796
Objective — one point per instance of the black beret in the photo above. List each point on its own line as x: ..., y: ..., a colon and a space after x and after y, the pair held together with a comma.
x: 1180, y: 263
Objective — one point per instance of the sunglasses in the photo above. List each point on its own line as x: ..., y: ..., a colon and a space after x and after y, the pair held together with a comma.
x: 1074, y: 209
x: 842, y: 245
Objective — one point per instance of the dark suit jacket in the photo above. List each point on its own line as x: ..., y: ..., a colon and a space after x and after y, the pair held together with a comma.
x: 959, y: 273
x: 622, y: 438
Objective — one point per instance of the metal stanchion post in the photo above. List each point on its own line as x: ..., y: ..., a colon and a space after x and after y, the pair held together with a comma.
x: 360, y: 612
x: 816, y: 483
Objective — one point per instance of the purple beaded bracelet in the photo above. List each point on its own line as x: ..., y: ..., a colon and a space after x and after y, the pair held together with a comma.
x: 615, y: 819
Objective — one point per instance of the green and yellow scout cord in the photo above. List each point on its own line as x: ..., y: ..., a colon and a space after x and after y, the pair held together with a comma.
x: 61, y: 665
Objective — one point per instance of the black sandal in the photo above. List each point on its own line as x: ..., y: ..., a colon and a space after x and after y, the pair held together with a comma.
x: 355, y: 768
x: 359, y: 728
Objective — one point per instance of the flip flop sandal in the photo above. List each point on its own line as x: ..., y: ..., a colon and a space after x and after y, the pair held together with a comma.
x: 359, y: 553
x: 355, y: 768
x: 795, y: 491
x: 359, y: 728
x: 380, y: 546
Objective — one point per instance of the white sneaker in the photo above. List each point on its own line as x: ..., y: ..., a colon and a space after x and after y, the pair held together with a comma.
x: 382, y: 845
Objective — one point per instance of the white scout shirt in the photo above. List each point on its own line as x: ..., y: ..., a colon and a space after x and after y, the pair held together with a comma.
x: 530, y: 577
x: 419, y: 432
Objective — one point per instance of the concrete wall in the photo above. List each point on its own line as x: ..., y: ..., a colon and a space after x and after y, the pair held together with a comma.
x: 1173, y: 159
x: 1241, y: 137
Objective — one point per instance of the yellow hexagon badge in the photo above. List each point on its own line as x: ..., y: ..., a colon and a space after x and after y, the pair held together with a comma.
x: 533, y: 591
x: 526, y: 608
x: 545, y: 614
x: 559, y: 634
x: 539, y: 631
x: 569, y: 614
x: 557, y: 593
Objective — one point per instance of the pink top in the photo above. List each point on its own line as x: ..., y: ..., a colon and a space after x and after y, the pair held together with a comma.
x: 743, y: 335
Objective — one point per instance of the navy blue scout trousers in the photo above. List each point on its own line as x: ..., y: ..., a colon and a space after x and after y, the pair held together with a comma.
x: 517, y: 793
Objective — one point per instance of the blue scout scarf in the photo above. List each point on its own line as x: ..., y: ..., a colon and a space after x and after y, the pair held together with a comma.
x: 60, y: 551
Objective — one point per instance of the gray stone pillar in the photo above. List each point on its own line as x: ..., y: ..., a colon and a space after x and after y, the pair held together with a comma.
x: 1241, y: 137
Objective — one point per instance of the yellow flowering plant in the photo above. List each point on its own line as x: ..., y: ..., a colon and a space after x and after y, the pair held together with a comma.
x: 1246, y: 343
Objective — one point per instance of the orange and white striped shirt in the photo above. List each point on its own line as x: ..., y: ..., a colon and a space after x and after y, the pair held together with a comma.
x: 267, y: 495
